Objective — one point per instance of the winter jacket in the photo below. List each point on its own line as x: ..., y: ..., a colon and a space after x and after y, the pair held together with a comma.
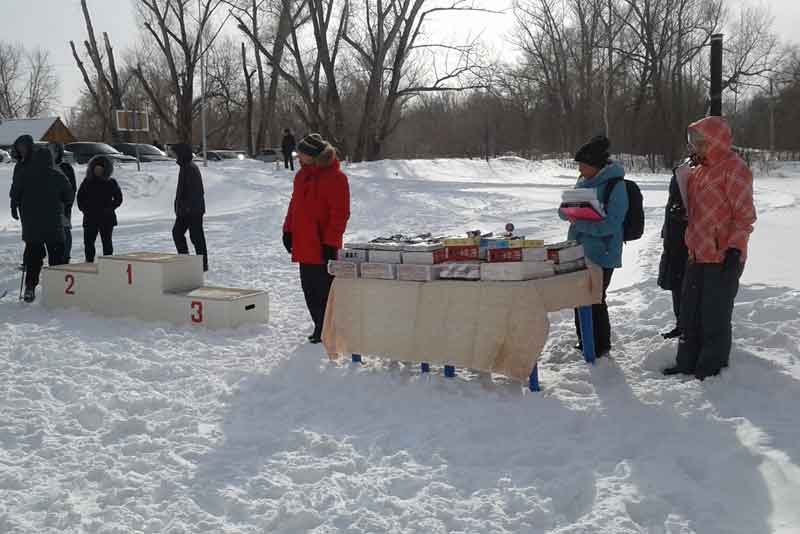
x: 40, y: 195
x: 69, y: 172
x: 318, y: 212
x: 675, y: 253
x: 720, y: 197
x: 24, y: 167
x: 99, y: 197
x: 190, y: 195
x: 288, y: 144
x: 602, y: 240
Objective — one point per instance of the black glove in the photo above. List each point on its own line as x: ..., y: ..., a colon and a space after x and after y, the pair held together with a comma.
x: 329, y: 253
x: 14, y: 213
x: 287, y: 242
x: 733, y: 260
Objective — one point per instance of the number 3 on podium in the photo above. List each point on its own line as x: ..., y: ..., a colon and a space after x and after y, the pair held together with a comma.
x: 197, y: 311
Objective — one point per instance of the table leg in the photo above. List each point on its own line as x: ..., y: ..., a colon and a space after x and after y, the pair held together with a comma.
x: 449, y: 371
x: 534, y: 380
x: 425, y: 367
x: 587, y: 333
x: 356, y: 358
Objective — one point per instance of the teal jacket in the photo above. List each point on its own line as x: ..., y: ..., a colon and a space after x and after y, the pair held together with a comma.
x: 602, y: 240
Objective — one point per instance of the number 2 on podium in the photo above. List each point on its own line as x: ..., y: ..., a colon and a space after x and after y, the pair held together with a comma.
x: 197, y: 311
x: 70, y: 280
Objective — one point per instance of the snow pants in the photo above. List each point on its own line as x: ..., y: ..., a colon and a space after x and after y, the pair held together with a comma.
x: 316, y: 284
x: 90, y: 232
x: 288, y: 161
x: 601, y: 324
x: 34, y: 259
x: 193, y: 223
x: 706, y: 311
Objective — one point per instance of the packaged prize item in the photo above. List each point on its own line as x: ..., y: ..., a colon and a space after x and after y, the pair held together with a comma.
x: 379, y: 271
x: 461, y: 253
x: 571, y: 266
x: 419, y: 273
x: 385, y: 256
x: 426, y: 258
x: 344, y: 269
x: 516, y: 271
x: 517, y: 254
x: 461, y: 271
x: 565, y: 251
x: 353, y: 254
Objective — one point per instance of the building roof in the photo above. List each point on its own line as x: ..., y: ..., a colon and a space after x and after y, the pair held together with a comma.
x: 11, y: 129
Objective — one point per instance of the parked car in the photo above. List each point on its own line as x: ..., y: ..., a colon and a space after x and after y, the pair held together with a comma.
x: 5, y: 157
x: 85, y: 151
x: 147, y: 153
x: 221, y: 155
x: 242, y: 154
x: 270, y: 155
x: 171, y: 152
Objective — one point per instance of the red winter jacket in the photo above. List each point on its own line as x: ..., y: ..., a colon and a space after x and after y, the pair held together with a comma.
x: 720, y: 197
x: 318, y: 212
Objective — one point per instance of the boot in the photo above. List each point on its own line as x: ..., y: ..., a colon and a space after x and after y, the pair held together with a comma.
x: 670, y: 371
x: 30, y: 295
x: 672, y: 334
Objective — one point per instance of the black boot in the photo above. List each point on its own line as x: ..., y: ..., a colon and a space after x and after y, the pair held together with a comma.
x: 672, y: 334
x: 669, y: 371
x: 30, y: 295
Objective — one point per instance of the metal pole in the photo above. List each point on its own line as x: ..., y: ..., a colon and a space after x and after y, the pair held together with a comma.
x: 716, y: 75
x: 202, y: 81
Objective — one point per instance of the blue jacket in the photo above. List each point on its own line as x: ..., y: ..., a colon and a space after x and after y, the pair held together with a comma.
x: 602, y: 240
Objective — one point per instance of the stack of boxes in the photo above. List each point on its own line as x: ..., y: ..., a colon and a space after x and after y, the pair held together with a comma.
x: 474, y: 257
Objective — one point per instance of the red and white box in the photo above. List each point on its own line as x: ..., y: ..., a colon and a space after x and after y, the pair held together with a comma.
x: 564, y: 252
x: 354, y: 255
x: 501, y: 255
x: 344, y: 269
x: 419, y: 273
x: 379, y: 271
x: 516, y: 271
x: 463, y: 253
x: 385, y: 256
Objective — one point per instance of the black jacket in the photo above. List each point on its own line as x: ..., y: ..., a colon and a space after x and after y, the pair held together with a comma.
x: 99, y: 197
x: 675, y: 254
x: 23, y: 168
x: 40, y: 194
x: 190, y: 195
x: 69, y: 172
x: 288, y: 144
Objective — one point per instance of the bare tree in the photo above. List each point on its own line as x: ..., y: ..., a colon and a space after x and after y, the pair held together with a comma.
x: 12, y: 96
x: 41, y: 89
x: 179, y: 35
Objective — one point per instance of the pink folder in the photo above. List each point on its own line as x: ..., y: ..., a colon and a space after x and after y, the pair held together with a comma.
x: 580, y: 211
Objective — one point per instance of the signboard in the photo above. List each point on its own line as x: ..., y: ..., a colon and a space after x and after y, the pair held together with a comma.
x: 132, y: 121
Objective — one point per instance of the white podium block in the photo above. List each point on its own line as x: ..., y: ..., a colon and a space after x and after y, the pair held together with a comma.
x: 155, y: 287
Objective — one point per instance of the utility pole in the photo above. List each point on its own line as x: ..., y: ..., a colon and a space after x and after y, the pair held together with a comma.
x: 771, y: 115
x: 716, y: 75
x: 202, y: 80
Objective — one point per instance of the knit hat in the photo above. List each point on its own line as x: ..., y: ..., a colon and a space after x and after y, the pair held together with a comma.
x: 594, y: 152
x: 312, y: 145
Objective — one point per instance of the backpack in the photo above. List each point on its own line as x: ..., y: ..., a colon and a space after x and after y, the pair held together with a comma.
x: 633, y: 226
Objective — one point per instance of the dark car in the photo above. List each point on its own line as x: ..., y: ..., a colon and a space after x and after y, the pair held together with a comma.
x: 85, y: 151
x: 147, y: 153
x: 222, y: 155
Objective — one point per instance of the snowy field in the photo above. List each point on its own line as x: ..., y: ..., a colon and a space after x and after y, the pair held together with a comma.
x: 121, y: 426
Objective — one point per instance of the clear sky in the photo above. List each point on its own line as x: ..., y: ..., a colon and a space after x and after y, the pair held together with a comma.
x: 50, y: 24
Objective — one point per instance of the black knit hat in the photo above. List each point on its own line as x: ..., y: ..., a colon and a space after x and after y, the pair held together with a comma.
x: 312, y: 145
x: 594, y: 152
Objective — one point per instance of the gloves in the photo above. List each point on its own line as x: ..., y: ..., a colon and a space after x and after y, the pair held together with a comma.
x: 733, y: 260
x: 287, y: 242
x: 14, y: 213
x: 329, y: 253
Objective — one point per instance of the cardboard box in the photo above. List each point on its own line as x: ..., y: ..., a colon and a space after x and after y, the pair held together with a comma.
x: 425, y: 258
x: 516, y: 271
x: 344, y: 269
x: 461, y: 271
x: 565, y: 252
x: 462, y: 242
x: 517, y: 254
x: 463, y: 253
x: 419, y: 273
x: 427, y: 246
x: 385, y: 256
x: 571, y: 266
x: 512, y: 243
x: 379, y: 271
x: 354, y: 255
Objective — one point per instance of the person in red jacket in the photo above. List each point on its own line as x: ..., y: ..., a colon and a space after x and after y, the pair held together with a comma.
x: 721, y: 214
x: 316, y: 221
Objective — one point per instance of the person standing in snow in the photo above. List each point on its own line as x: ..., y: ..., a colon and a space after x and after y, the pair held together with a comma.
x: 190, y: 205
x: 288, y: 146
x: 57, y: 150
x: 675, y: 253
x: 316, y: 221
x: 98, y: 198
x: 721, y: 215
x: 38, y: 196
x: 602, y: 240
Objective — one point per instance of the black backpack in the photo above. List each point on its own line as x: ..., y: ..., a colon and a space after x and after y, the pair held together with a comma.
x: 633, y: 226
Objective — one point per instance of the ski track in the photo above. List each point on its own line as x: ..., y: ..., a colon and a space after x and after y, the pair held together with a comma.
x: 122, y: 426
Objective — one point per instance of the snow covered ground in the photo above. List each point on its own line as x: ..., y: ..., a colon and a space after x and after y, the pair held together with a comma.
x: 120, y: 426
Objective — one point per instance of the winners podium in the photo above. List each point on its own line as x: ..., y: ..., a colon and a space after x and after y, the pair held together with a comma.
x: 152, y: 287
